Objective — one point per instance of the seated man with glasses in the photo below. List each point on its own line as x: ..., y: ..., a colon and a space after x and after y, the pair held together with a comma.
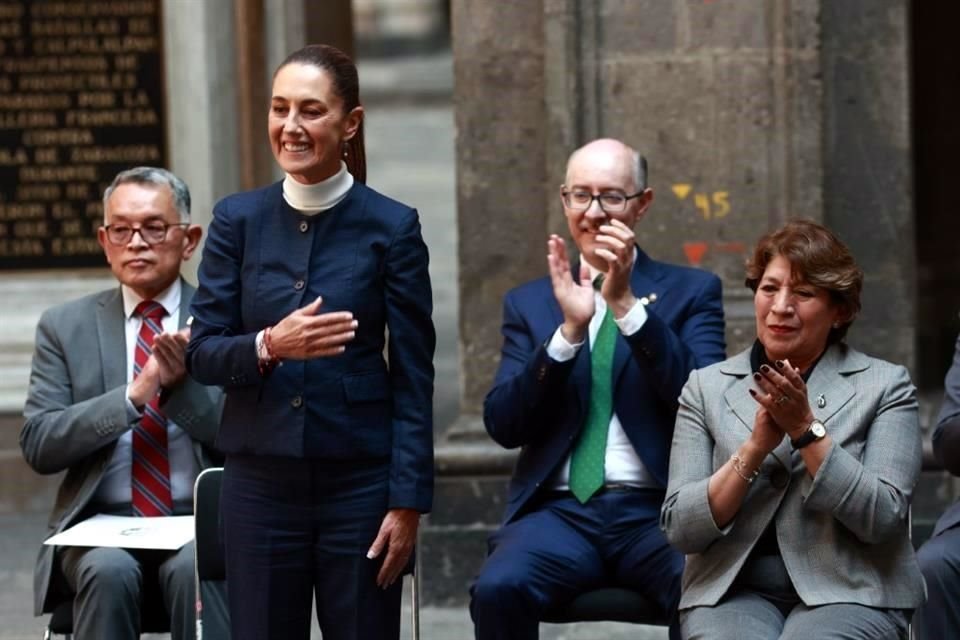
x: 111, y: 404
x: 594, y: 357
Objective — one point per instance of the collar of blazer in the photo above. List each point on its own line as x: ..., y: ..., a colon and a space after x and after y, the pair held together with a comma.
x: 828, y: 379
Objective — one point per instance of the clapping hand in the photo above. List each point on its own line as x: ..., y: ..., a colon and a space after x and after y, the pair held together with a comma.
x: 783, y: 393
x: 618, y: 252
x: 575, y: 298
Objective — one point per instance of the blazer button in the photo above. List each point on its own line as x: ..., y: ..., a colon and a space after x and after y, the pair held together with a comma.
x: 779, y: 478
x: 304, y: 226
x: 542, y: 372
x: 296, y: 402
x: 298, y: 285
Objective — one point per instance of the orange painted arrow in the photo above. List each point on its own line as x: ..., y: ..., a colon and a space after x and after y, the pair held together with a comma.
x: 694, y: 252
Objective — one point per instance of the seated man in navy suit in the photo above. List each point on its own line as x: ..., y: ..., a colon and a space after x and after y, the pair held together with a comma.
x: 940, y: 556
x: 591, y: 367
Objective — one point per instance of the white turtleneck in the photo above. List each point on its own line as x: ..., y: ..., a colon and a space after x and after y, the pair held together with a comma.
x: 311, y: 199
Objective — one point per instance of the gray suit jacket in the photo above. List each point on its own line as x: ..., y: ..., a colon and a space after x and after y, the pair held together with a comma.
x: 844, y: 533
x: 76, y: 408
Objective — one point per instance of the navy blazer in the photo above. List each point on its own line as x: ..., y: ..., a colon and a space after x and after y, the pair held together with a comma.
x: 540, y: 404
x: 946, y: 437
x: 262, y: 260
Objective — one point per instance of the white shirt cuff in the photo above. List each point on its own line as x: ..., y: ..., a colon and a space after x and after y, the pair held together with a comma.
x: 260, y: 347
x: 559, y: 349
x: 633, y: 320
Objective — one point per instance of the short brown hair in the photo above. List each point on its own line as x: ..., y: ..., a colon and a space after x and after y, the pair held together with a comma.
x: 817, y: 257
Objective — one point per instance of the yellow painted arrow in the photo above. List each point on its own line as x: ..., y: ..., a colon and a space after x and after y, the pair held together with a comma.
x: 681, y: 190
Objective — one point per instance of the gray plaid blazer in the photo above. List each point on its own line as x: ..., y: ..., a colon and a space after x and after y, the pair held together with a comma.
x: 843, y: 534
x: 76, y: 410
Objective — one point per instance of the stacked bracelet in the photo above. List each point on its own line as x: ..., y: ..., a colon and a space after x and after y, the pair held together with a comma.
x: 268, y: 344
x: 740, y: 467
x: 268, y: 360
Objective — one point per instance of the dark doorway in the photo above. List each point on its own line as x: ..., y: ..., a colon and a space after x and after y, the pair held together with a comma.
x: 936, y: 142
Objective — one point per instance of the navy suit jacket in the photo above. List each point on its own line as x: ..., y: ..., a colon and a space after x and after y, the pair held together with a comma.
x: 946, y: 437
x: 540, y: 404
x: 262, y: 260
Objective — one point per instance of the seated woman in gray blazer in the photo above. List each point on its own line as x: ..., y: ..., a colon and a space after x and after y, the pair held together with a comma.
x: 793, y: 464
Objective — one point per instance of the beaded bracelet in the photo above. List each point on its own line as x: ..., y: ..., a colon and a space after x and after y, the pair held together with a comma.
x: 271, y: 361
x: 268, y: 344
x: 740, y: 467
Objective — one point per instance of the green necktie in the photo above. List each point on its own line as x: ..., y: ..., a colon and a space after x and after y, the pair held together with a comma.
x: 586, y: 463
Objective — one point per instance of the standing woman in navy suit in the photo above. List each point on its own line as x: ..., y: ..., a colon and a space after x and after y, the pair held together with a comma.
x: 329, y: 447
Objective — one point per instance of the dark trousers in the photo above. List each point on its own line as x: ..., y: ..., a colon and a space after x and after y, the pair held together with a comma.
x: 562, y: 548
x: 295, y: 530
x: 762, y: 604
x: 939, y: 560
x: 109, y: 584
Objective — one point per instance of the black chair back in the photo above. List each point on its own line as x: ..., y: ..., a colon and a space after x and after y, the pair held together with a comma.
x: 206, y: 511
x: 612, y: 603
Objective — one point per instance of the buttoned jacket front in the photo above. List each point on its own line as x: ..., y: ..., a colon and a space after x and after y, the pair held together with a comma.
x: 263, y: 260
x: 540, y: 405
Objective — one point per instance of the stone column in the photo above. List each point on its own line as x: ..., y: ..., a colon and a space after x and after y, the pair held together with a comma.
x: 200, y: 55
x: 868, y: 165
x: 724, y: 100
x: 286, y: 31
x: 253, y: 93
x: 502, y: 171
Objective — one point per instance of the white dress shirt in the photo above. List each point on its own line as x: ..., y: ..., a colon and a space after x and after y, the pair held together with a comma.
x: 622, y: 465
x: 114, y: 487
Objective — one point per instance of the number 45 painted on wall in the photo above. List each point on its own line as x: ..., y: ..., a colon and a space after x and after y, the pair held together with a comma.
x: 712, y: 206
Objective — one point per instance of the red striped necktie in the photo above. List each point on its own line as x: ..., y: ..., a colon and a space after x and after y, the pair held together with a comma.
x: 150, y: 471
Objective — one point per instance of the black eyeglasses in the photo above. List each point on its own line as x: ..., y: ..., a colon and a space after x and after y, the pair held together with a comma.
x: 610, y: 201
x: 152, y: 232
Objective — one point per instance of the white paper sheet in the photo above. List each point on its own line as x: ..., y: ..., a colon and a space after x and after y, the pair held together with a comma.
x: 170, y: 532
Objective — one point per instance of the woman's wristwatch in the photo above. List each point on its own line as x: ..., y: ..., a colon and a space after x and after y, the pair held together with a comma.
x: 816, y: 431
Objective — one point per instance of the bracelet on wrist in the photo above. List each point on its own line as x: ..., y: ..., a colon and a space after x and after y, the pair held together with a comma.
x: 740, y: 468
x: 267, y: 360
x: 268, y: 344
